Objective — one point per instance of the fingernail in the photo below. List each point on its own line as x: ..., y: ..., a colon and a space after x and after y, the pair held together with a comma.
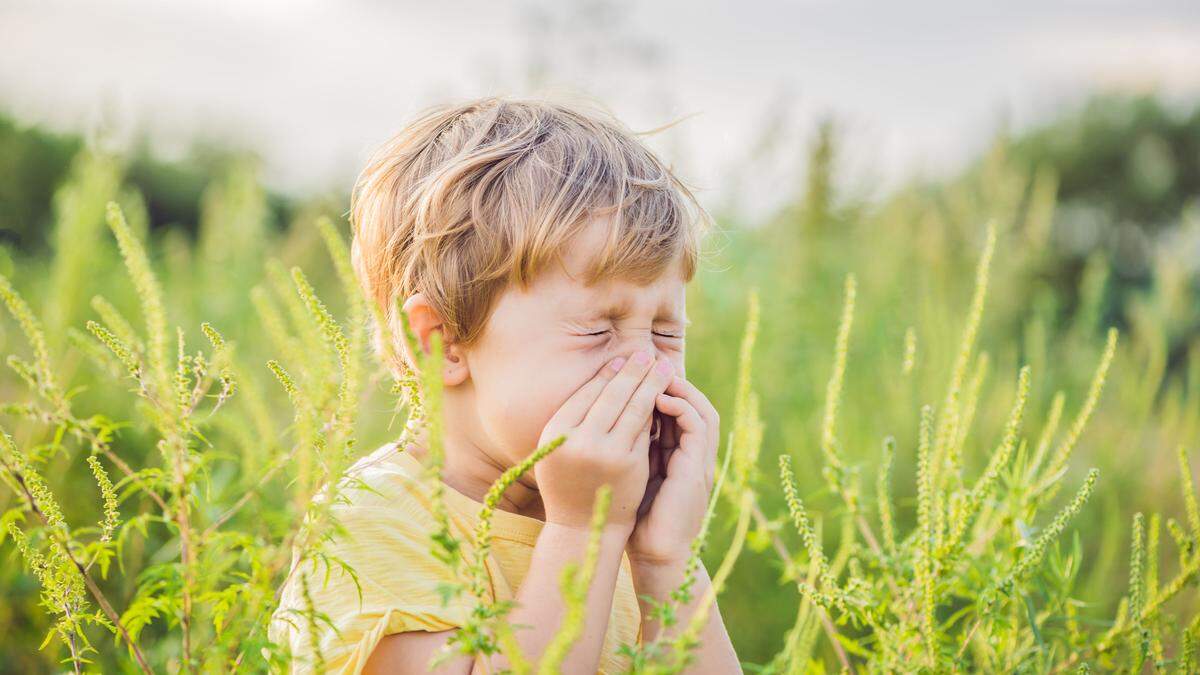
x: 665, y: 367
x: 641, y: 357
x: 616, y: 363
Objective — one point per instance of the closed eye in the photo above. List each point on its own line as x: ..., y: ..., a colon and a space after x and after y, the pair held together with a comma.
x: 666, y: 335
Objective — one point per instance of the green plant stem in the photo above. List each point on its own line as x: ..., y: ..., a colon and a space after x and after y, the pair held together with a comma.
x: 186, y: 552
x: 1169, y: 591
x: 760, y: 521
x: 94, y: 589
x: 220, y: 520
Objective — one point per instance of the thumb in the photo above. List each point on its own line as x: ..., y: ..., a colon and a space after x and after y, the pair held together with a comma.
x: 684, y: 461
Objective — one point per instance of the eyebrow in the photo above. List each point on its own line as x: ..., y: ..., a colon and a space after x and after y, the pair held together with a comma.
x: 620, y: 310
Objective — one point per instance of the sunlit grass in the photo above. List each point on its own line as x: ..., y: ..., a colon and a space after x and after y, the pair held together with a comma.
x: 925, y: 466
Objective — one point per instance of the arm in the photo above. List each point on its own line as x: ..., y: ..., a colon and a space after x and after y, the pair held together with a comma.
x: 683, y: 458
x: 715, y: 653
x: 537, y: 615
x: 607, y: 427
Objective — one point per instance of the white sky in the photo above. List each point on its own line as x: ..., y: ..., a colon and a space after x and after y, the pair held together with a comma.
x: 314, y: 85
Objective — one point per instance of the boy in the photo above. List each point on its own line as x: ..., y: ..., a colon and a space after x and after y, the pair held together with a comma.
x: 551, y: 250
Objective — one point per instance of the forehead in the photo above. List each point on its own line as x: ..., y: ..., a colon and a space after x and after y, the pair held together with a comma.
x: 612, y: 295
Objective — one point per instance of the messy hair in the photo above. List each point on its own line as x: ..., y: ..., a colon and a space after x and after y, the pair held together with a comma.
x: 470, y: 198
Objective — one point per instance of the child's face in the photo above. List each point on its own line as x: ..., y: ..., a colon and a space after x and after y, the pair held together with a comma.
x: 536, y: 351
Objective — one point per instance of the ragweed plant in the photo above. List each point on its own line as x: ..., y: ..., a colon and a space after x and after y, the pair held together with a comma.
x: 974, y: 586
x: 171, y: 560
x: 210, y: 585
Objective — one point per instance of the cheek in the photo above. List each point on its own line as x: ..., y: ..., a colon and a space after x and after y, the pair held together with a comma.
x: 525, y: 400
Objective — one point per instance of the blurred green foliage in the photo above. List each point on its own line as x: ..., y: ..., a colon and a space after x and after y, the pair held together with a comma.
x: 35, y: 162
x: 221, y: 247
x: 1134, y: 159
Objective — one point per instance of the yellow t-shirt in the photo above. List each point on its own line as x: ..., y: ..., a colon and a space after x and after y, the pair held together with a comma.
x: 387, y: 544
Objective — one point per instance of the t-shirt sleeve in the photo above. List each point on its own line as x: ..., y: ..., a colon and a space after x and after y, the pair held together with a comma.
x: 401, y: 584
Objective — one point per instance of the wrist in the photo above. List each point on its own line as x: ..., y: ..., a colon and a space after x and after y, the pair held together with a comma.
x: 611, y: 534
x: 656, y: 576
x: 660, y: 563
x: 656, y: 584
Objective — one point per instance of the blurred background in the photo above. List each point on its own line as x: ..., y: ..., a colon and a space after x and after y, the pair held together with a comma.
x: 312, y: 86
x: 826, y: 138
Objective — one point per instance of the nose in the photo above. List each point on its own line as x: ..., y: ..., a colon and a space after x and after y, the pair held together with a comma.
x: 645, y: 342
x: 641, y: 341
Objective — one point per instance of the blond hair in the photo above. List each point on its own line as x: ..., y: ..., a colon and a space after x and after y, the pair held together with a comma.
x: 472, y: 197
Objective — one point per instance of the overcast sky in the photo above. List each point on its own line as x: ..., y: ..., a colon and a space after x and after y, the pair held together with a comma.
x: 315, y: 85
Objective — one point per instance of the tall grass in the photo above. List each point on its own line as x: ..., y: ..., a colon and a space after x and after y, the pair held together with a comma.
x: 977, y: 505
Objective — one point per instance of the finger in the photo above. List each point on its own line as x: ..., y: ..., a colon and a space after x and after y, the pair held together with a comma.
x: 607, y: 407
x: 641, y: 404
x: 686, y: 390
x: 694, y: 430
x: 667, y: 461
x: 575, y: 408
x: 648, y: 498
x: 641, y: 444
x: 668, y: 438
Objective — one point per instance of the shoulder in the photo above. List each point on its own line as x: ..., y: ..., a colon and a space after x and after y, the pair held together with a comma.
x: 377, y: 530
x: 375, y: 574
x: 388, y: 483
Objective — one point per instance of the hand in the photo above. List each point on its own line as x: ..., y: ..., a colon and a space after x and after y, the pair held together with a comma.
x: 681, y: 478
x: 607, y: 425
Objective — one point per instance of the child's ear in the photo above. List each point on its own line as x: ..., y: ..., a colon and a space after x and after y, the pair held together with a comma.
x: 424, y: 320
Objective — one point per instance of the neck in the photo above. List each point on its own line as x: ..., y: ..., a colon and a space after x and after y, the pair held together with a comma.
x: 471, y: 470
